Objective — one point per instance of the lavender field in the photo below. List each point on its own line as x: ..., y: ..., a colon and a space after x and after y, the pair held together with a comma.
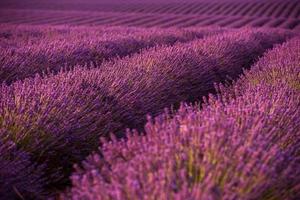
x: 150, y: 99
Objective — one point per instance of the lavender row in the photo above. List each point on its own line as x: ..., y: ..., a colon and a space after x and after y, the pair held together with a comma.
x: 12, y: 36
x: 243, y: 144
x: 59, y: 119
x: 62, y: 48
x: 19, y: 177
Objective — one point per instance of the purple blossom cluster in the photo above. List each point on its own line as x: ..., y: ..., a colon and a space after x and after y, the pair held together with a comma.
x: 57, y: 119
x: 19, y: 177
x: 243, y: 143
x: 50, y: 122
x: 25, y: 51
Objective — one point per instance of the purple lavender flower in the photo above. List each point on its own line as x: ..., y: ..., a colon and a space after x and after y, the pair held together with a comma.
x: 28, y: 50
x: 59, y: 118
x: 19, y: 177
x: 243, y: 144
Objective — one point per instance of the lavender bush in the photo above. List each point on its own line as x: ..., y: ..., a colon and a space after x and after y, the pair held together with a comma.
x: 27, y: 51
x: 58, y: 119
x: 243, y: 144
x: 19, y: 177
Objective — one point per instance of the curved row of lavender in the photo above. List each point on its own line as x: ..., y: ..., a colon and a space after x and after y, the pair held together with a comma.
x: 58, y: 119
x: 16, y: 36
x: 45, y: 49
x: 243, y: 144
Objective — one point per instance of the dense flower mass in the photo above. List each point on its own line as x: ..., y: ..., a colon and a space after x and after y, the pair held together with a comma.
x: 150, y: 99
x: 19, y: 177
x: 242, y: 144
x: 58, y: 119
x: 27, y: 51
x: 62, y: 88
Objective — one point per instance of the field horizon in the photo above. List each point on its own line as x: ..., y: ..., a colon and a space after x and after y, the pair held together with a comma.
x: 176, y: 13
